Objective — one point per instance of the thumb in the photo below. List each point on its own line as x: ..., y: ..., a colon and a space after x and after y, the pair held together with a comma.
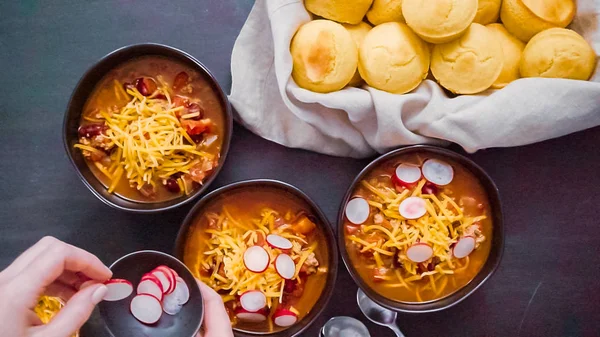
x: 77, y: 311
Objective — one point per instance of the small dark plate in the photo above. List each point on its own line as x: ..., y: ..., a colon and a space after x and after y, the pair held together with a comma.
x: 84, y: 89
x: 323, y: 223
x: 119, y: 320
x: 497, y: 234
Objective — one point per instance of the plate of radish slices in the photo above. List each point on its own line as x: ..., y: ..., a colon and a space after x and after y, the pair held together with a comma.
x: 152, y: 294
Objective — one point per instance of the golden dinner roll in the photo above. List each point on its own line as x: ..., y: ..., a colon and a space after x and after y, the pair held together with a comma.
x: 324, y: 55
x: 525, y: 18
x: 393, y: 58
x: 558, y: 53
x: 358, y: 33
x: 470, y: 64
x: 487, y: 11
x: 439, y: 21
x: 512, y: 49
x: 346, y: 11
x: 384, y: 11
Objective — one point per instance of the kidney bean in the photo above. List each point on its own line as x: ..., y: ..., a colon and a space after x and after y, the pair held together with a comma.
x: 172, y: 185
x: 91, y: 130
x: 145, y: 85
x: 181, y: 80
x: 429, y: 188
x: 193, y: 108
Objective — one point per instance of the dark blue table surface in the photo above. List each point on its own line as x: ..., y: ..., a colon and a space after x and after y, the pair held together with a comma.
x: 548, y: 282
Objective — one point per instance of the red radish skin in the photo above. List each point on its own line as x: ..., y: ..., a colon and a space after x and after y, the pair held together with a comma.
x: 154, y: 279
x: 118, y: 289
x: 464, y: 247
x: 419, y: 252
x: 406, y: 175
x: 357, y: 211
x: 438, y: 172
x: 149, y: 287
x: 165, y: 280
x: 279, y: 242
x: 285, y: 266
x: 253, y: 300
x: 170, y: 274
x: 253, y: 317
x: 146, y: 308
x: 284, y: 318
x: 256, y: 259
x: 412, y: 208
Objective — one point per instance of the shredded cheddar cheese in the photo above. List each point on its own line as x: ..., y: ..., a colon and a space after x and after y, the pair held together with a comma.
x: 224, y: 254
x: 47, y: 307
x: 391, y: 235
x: 152, y: 145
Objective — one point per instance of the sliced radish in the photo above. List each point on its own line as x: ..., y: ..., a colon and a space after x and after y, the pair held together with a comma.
x: 170, y: 274
x: 165, y: 281
x: 284, y: 317
x: 256, y: 259
x: 285, y: 266
x: 181, y: 294
x: 277, y: 241
x: 419, y: 252
x: 357, y: 211
x: 149, y: 287
x: 118, y: 289
x: 254, y: 317
x: 406, y: 175
x: 153, y: 278
x: 253, y: 300
x: 438, y: 172
x: 146, y: 308
x: 412, y: 208
x: 171, y: 304
x: 464, y: 247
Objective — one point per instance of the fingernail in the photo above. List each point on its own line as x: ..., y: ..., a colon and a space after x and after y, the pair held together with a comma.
x: 99, y: 294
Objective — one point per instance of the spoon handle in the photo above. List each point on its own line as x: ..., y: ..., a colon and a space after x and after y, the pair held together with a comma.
x: 396, y: 330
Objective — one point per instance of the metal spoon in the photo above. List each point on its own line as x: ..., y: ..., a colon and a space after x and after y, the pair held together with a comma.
x: 378, y: 314
x: 343, y: 326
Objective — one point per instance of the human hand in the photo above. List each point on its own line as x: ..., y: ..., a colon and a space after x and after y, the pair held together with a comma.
x: 216, y: 320
x: 50, y: 267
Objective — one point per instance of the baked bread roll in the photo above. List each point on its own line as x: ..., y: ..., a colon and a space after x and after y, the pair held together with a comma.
x: 439, y: 21
x: 346, y: 11
x: 525, y: 18
x: 470, y: 64
x: 324, y: 56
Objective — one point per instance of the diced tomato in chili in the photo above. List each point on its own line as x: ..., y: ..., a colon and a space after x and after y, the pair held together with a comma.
x: 196, y: 127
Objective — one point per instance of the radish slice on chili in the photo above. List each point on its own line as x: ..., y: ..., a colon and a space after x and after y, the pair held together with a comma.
x: 438, y: 172
x: 277, y: 241
x: 406, y: 174
x: 146, y: 308
x: 118, y: 289
x: 165, y: 281
x: 419, y: 252
x: 253, y: 300
x: 284, y: 317
x: 464, y: 247
x: 149, y: 287
x: 412, y: 208
x: 256, y: 259
x: 357, y: 211
x: 285, y: 266
x: 254, y: 317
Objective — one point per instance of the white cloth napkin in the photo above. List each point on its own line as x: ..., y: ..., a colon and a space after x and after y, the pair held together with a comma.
x: 357, y: 122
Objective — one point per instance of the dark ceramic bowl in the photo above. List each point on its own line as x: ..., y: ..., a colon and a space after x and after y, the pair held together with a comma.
x: 497, y: 234
x: 84, y: 89
x: 322, y: 222
x: 132, y: 267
